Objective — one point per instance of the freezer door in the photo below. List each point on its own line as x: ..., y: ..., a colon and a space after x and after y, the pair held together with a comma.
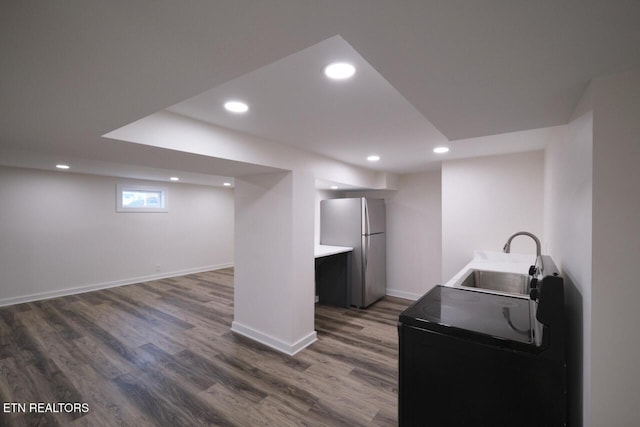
x: 340, y: 222
x: 374, y: 264
x: 373, y: 216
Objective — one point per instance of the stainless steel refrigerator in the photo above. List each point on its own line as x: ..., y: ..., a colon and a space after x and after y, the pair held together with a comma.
x: 360, y: 224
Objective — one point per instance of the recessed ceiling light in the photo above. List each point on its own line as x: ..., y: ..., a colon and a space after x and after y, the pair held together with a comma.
x: 174, y: 178
x: 373, y: 158
x: 236, y: 106
x: 339, y: 70
x: 61, y: 166
x: 334, y: 187
x: 441, y: 150
x: 227, y: 184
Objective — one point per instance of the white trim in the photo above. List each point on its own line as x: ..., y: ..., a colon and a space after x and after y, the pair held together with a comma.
x: 275, y: 343
x: 402, y: 294
x: 97, y: 286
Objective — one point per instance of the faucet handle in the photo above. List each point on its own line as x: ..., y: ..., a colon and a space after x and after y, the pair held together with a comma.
x: 533, y: 270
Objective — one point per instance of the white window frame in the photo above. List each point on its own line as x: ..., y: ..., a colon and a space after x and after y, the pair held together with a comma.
x: 163, y: 191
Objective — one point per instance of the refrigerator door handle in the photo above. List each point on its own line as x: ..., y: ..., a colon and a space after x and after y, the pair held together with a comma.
x: 365, y: 251
x: 365, y: 217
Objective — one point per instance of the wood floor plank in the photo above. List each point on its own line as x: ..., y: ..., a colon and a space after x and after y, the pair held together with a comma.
x: 16, y: 385
x: 253, y: 414
x: 110, y: 405
x: 34, y: 359
x: 200, y: 321
x: 102, y: 360
x: 151, y: 403
x: 216, y: 369
x: 161, y: 353
x: 233, y: 344
x: 279, y: 383
x: 57, y: 321
x: 144, y: 313
x: 139, y: 332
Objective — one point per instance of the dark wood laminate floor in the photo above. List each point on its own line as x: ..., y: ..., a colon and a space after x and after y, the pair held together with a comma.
x: 161, y: 353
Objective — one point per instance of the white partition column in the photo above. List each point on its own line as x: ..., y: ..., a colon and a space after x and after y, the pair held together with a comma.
x: 274, y: 263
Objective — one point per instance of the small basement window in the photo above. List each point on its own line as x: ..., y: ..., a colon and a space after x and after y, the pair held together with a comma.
x: 136, y: 198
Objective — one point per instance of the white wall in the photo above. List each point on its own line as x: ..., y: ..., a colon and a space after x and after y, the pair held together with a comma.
x: 568, y: 239
x: 274, y: 292
x: 615, y: 315
x: 487, y: 199
x: 593, y: 228
x: 60, y: 233
x: 414, y: 233
x: 320, y: 196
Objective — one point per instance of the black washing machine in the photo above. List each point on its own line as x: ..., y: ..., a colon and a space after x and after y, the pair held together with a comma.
x: 470, y: 358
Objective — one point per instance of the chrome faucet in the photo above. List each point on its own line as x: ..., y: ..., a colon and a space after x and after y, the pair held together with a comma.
x: 507, y: 246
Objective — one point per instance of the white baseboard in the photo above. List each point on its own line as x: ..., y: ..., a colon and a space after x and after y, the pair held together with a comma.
x: 105, y: 285
x: 275, y: 343
x: 402, y: 294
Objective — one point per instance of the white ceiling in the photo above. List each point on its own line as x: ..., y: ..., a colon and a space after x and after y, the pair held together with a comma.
x: 427, y: 71
x: 291, y: 101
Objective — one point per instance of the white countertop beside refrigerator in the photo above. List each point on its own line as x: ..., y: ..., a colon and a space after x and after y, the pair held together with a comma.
x: 326, y: 250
